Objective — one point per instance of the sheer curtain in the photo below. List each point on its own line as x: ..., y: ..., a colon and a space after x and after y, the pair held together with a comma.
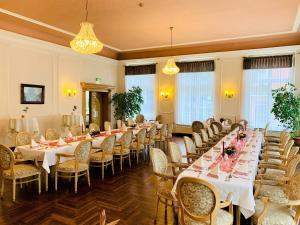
x: 258, y: 85
x: 147, y: 84
x: 194, y: 97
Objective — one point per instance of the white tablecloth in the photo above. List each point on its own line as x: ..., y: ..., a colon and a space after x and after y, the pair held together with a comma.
x: 24, y: 124
x: 241, y: 188
x: 46, y: 154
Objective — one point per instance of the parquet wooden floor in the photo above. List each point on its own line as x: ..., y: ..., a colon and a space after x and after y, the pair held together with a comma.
x: 129, y: 196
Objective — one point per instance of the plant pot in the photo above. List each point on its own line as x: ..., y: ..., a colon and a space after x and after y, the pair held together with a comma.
x: 297, y: 141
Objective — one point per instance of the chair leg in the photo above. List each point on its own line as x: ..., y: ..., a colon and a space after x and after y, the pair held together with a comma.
x: 137, y: 157
x: 76, y: 180
x: 129, y: 158
x: 157, y: 204
x: 112, y: 168
x: 2, y: 187
x: 14, y: 189
x: 55, y: 181
x: 121, y: 162
x: 103, y: 171
x: 46, y: 180
x: 39, y: 183
x: 88, y: 177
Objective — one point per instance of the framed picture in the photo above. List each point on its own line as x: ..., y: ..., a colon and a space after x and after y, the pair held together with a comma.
x: 32, y: 94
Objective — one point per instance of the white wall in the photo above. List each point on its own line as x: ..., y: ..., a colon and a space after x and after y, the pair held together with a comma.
x: 27, y: 60
x: 228, y: 72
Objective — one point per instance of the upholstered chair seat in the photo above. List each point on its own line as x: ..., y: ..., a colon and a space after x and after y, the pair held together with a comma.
x: 138, y: 146
x: 76, y: 166
x: 275, y: 193
x: 98, y: 157
x: 118, y: 150
x: 223, y: 218
x: 122, y: 151
x: 149, y: 141
x: 276, y: 215
x: 104, y: 158
x: 69, y: 166
x: 21, y: 171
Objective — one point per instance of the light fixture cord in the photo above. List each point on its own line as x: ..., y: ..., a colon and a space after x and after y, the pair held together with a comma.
x: 86, y: 10
x: 171, y: 28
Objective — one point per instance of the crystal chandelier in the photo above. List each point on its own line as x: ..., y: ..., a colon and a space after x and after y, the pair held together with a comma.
x: 86, y: 41
x: 171, y: 68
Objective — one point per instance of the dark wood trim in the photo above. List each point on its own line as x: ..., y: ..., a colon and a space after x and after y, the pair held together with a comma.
x: 19, y: 26
x: 221, y: 46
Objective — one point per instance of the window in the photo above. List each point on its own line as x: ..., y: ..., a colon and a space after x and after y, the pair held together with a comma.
x: 147, y: 84
x: 194, y: 97
x: 258, y: 85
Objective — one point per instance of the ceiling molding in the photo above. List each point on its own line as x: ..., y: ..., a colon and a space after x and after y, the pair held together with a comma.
x: 221, y: 46
x: 297, y: 20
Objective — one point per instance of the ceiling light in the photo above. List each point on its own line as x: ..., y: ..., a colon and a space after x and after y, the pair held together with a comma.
x: 171, y: 68
x: 86, y: 41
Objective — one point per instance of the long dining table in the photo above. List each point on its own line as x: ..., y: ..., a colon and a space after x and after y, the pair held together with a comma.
x: 46, y: 152
x: 235, y: 174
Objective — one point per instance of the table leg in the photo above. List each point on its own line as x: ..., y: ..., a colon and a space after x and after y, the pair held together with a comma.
x: 238, y: 215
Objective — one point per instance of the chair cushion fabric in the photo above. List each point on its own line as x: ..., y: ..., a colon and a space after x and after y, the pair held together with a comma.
x: 135, y: 146
x: 276, y: 215
x: 150, y: 142
x: 275, y: 193
x: 117, y: 151
x: 69, y: 166
x: 223, y: 218
x: 21, y: 171
x: 97, y: 157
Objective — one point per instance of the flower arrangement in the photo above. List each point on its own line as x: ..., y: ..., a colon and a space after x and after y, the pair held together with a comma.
x: 25, y: 110
x: 242, y: 135
x: 94, y: 133
x: 230, y: 150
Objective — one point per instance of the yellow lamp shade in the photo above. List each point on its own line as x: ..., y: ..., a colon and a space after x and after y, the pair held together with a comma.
x: 171, y: 68
x: 86, y: 41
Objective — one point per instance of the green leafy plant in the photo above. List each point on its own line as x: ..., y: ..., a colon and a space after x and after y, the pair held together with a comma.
x: 286, y: 107
x: 127, y: 104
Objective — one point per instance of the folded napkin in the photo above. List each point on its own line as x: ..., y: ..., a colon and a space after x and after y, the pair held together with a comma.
x: 61, y: 142
x: 34, y: 144
x: 70, y: 134
x: 42, y: 139
x: 88, y: 136
x: 214, y: 172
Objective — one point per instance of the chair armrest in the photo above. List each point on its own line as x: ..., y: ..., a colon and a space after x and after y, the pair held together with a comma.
x: 260, y: 217
x: 227, y: 202
x: 293, y: 203
x: 180, y: 165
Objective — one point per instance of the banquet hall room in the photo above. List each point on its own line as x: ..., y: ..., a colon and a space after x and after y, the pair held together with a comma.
x: 141, y: 112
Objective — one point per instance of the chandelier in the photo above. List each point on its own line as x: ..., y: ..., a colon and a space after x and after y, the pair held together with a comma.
x: 171, y: 68
x: 86, y: 41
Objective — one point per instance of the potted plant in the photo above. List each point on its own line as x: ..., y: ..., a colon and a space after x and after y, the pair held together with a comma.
x: 286, y: 109
x: 127, y: 104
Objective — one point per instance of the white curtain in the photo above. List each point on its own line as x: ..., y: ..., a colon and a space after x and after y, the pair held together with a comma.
x: 194, y: 97
x: 147, y: 84
x: 258, y: 85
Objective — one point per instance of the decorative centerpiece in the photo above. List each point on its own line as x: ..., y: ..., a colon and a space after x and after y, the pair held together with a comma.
x: 25, y: 110
x: 94, y: 133
x: 242, y: 135
x: 74, y: 109
x: 230, y: 150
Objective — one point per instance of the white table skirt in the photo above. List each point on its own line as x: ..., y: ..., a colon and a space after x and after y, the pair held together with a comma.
x: 241, y: 188
x: 47, y: 154
x: 24, y: 124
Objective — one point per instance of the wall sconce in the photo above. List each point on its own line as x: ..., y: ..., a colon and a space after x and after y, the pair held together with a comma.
x: 71, y: 92
x: 229, y: 94
x: 165, y: 94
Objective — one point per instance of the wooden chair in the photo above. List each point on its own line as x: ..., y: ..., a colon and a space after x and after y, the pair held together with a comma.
x: 197, y: 126
x: 16, y: 171
x: 107, y: 125
x: 76, y: 167
x: 94, y: 127
x: 122, y: 151
x: 160, y: 138
x: 209, y: 121
x: 138, y: 146
x: 51, y: 134
x: 209, y: 142
x: 274, y: 213
x: 199, y: 203
x: 244, y: 123
x: 165, y: 178
x: 235, y: 126
x: 104, y: 158
x: 217, y: 128
x: 201, y: 147
x: 212, y: 136
x: 190, y: 148
x: 176, y: 158
x: 275, y: 152
x: 169, y: 136
x: 76, y: 130
x: 103, y: 219
x: 140, y: 118
x: 23, y: 138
